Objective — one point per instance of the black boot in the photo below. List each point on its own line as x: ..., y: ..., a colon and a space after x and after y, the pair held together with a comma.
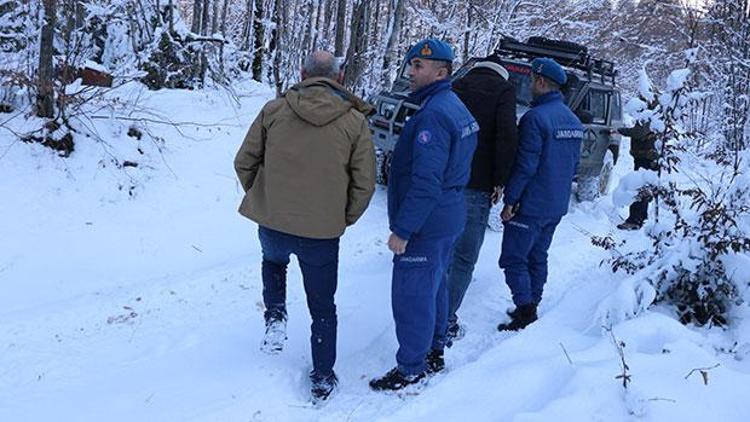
x: 321, y: 387
x: 454, y: 333
x: 435, y: 362
x: 520, y: 318
x: 515, y: 313
x: 629, y: 225
x: 395, y: 380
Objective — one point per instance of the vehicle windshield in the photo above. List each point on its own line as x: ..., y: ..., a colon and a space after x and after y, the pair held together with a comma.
x: 520, y: 77
x: 595, y: 102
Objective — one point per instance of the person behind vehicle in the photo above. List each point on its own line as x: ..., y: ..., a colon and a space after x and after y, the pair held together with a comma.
x: 538, y: 192
x: 426, y: 212
x: 307, y: 166
x: 491, y: 99
x: 645, y: 156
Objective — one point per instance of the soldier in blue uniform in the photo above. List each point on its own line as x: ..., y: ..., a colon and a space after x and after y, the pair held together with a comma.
x: 426, y: 212
x: 538, y: 192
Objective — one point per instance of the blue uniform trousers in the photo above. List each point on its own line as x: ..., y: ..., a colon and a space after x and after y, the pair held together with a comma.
x: 524, y: 256
x: 419, y: 298
x: 318, y: 260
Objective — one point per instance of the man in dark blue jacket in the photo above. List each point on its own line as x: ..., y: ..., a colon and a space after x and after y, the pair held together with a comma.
x: 426, y: 211
x: 538, y: 192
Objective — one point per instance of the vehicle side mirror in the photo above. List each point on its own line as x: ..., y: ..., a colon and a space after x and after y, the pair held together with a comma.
x: 586, y: 117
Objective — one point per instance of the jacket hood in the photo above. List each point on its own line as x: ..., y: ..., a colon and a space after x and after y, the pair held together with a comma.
x: 497, y: 68
x: 320, y: 101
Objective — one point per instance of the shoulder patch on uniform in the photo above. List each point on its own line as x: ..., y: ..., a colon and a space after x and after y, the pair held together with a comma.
x: 569, y: 134
x: 470, y: 129
x: 424, y: 137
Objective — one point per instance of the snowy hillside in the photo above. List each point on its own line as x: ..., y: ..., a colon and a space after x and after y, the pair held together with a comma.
x: 147, y: 307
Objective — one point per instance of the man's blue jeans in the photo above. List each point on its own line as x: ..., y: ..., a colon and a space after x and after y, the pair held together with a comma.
x: 466, y: 249
x: 318, y: 260
x: 524, y: 256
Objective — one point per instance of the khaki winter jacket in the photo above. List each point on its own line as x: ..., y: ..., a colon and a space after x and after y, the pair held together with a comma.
x: 642, y: 141
x: 307, y: 164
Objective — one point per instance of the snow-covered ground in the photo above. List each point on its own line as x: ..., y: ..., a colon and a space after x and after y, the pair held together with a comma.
x: 148, y: 308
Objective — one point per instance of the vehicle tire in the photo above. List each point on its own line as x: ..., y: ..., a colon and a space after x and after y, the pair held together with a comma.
x: 591, y: 187
x: 588, y: 188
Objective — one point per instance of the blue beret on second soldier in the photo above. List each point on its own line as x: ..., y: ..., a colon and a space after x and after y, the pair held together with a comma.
x: 431, y: 49
x: 549, y: 69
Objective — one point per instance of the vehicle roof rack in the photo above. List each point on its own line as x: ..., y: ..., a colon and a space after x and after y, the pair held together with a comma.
x: 568, y: 54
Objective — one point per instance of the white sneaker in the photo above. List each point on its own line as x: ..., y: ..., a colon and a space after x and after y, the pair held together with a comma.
x: 275, y: 337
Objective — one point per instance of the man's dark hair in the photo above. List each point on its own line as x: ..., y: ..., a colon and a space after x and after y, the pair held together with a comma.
x: 447, y: 65
x: 552, y: 84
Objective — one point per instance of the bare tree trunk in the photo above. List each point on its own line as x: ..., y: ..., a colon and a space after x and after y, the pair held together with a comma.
x: 328, y: 18
x: 467, y: 33
x: 68, y: 10
x: 204, y: 17
x: 375, y: 23
x: 732, y: 33
x: 275, y: 46
x: 224, y: 18
x: 170, y: 16
x: 197, y: 16
x: 317, y: 31
x: 259, y: 52
x: 340, y: 28
x: 215, y: 17
x: 294, y: 36
x: 80, y: 14
x: 45, y: 104
x: 355, y: 54
x: 306, y: 41
x: 247, y: 26
x: 390, y: 47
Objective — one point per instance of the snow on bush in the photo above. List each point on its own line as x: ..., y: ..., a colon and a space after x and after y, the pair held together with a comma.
x: 699, y: 216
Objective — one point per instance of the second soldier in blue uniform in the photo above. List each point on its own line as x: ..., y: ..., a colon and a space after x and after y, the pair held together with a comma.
x: 538, y: 192
x: 426, y: 212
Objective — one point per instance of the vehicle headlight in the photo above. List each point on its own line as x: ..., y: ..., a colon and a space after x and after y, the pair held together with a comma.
x: 387, y: 110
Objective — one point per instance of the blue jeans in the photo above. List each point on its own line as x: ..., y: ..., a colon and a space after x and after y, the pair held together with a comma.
x: 419, y: 299
x: 318, y: 260
x: 524, y: 256
x: 466, y: 249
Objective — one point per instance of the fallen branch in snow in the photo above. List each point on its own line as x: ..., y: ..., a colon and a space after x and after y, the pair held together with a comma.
x: 703, y: 372
x: 608, y: 244
x: 620, y: 346
x: 163, y: 122
x: 566, y: 354
x: 662, y: 399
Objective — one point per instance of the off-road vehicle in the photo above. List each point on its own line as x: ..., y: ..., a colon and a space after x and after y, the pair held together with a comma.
x: 591, y: 92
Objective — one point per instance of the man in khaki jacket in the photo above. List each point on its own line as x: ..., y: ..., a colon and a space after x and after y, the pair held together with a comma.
x: 307, y: 166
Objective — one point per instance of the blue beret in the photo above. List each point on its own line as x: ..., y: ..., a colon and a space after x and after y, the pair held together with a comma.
x: 431, y: 49
x: 549, y: 69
